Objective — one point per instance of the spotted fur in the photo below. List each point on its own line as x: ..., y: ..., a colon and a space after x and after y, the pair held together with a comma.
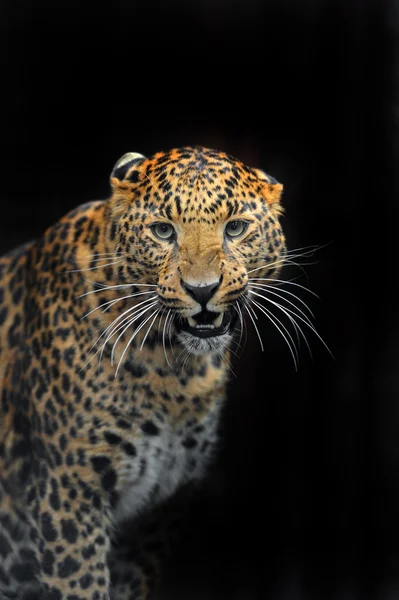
x: 109, y: 406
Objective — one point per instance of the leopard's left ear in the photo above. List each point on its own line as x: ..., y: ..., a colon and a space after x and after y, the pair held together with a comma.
x: 123, y: 165
x: 271, y: 189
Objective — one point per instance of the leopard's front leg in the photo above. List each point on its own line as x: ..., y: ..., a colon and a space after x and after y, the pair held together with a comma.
x: 73, y: 537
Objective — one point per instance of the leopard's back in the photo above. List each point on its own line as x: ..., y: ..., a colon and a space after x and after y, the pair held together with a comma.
x: 12, y: 297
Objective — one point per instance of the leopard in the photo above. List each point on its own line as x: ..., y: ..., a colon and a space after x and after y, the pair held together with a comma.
x: 117, y: 328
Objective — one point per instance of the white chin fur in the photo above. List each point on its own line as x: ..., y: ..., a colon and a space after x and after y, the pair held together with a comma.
x: 199, y: 346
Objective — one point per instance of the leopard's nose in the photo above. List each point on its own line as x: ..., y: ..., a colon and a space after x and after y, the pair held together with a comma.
x: 201, y: 293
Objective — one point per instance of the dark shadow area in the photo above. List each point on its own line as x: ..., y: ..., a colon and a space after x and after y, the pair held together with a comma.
x: 302, y: 503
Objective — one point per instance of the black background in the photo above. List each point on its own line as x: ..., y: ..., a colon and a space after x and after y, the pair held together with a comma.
x: 303, y: 500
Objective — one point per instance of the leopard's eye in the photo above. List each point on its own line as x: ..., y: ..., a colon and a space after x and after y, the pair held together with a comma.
x: 163, y: 231
x: 236, y: 228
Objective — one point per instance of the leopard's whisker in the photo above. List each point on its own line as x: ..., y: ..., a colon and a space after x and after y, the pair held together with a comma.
x: 296, y: 326
x: 298, y: 330
x: 239, y: 312
x: 286, y: 259
x: 163, y: 309
x: 185, y: 359
x: 112, y: 302
x: 93, y: 268
x: 304, y: 264
x: 304, y: 250
x: 270, y: 290
x: 309, y: 250
x: 170, y: 333
x: 296, y: 264
x: 120, y: 328
x: 103, y: 254
x: 266, y: 266
x: 130, y: 341
x: 242, y: 301
x: 240, y: 348
x: 180, y: 353
x: 289, y: 340
x: 116, y: 329
x: 178, y: 363
x: 163, y: 336
x: 125, y: 327
x: 127, y: 321
x: 132, y: 310
x: 104, y: 288
x: 306, y: 321
x: 223, y: 357
x: 107, y: 257
x: 236, y: 344
x: 149, y: 328
x: 249, y: 307
x: 283, y: 281
x: 129, y: 311
x: 246, y: 306
x: 233, y: 351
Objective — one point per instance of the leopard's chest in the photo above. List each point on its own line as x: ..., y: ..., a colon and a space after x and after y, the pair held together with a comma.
x: 163, y: 463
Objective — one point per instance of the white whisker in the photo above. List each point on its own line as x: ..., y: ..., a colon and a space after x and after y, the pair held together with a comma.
x: 128, y: 322
x: 306, y: 321
x: 249, y: 307
x: 272, y: 289
x: 238, y: 310
x: 266, y: 266
x: 130, y: 341
x: 224, y: 358
x: 93, y: 268
x: 149, y: 328
x: 163, y: 336
x: 186, y: 359
x: 274, y: 293
x: 287, y: 312
x: 308, y: 250
x: 170, y: 333
x: 288, y: 258
x: 125, y: 327
x: 116, y: 254
x: 273, y: 319
x: 133, y: 309
x: 289, y: 282
x: 112, y: 302
x: 254, y: 324
x: 115, y: 328
x: 304, y: 251
x: 104, y: 288
x: 289, y: 261
x: 163, y: 309
x: 182, y: 352
x: 105, y: 257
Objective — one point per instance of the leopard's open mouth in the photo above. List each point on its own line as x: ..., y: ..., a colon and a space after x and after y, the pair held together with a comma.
x: 207, y: 324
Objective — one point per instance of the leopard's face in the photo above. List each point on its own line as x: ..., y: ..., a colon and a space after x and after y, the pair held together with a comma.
x: 194, y: 225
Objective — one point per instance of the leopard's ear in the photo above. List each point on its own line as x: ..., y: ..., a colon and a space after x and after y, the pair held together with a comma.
x: 271, y: 189
x: 122, y: 176
x: 123, y: 165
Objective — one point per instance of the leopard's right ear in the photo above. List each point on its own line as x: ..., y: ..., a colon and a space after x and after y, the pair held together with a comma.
x: 123, y: 176
x: 123, y: 165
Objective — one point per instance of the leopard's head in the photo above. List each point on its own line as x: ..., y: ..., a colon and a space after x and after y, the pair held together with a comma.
x: 194, y: 225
